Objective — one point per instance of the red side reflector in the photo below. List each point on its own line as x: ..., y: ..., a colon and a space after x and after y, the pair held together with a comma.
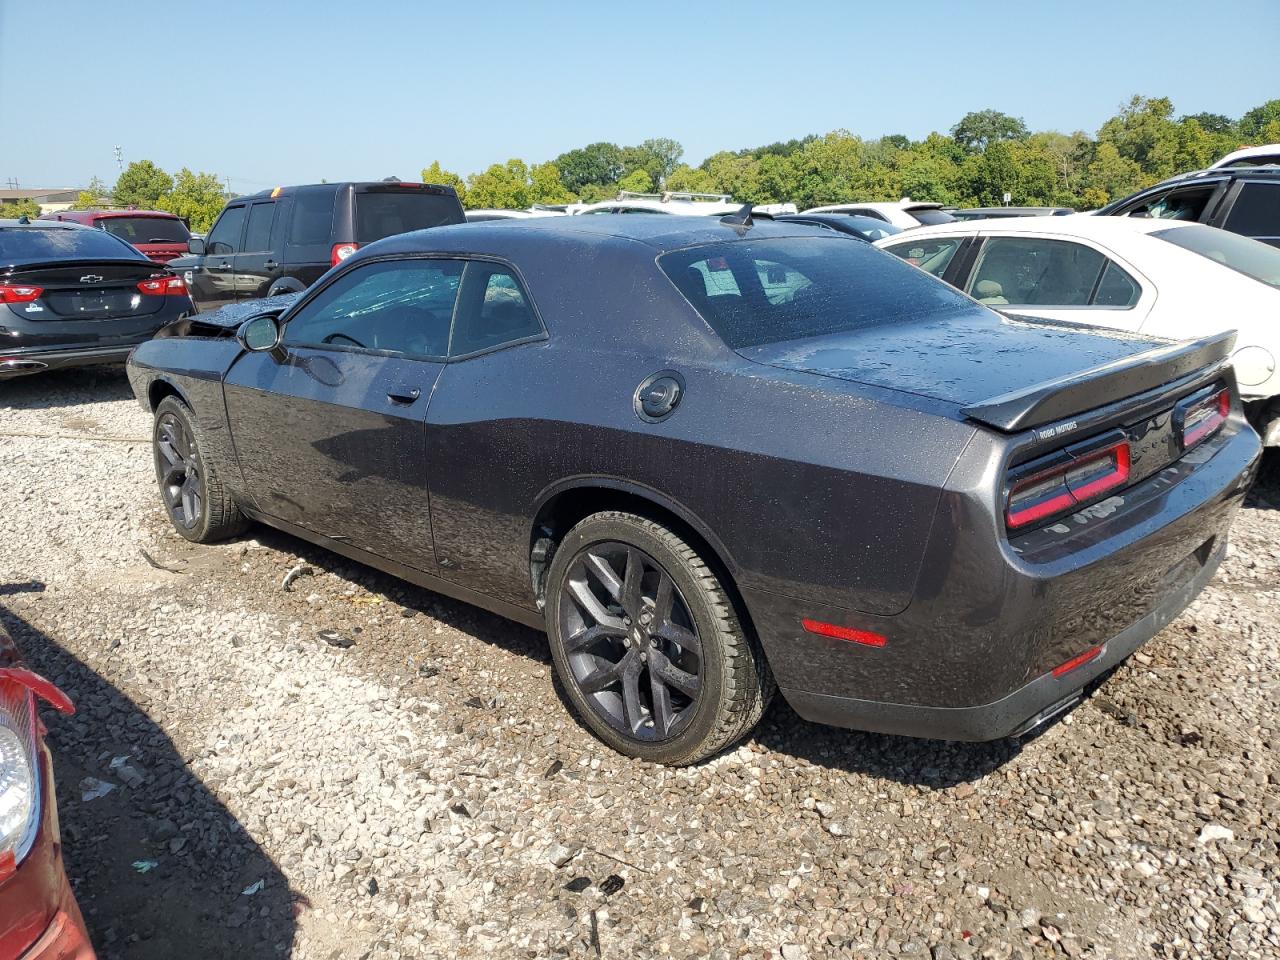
x: 1064, y: 668
x: 865, y: 637
x: 340, y: 252
x: 19, y: 293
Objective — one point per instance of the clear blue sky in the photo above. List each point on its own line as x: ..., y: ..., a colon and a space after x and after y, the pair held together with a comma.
x: 290, y: 92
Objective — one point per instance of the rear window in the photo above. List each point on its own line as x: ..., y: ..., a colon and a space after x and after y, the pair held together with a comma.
x: 769, y: 291
x: 383, y: 214
x: 1246, y: 256
x: 146, y: 229
x: 38, y: 244
x: 931, y: 218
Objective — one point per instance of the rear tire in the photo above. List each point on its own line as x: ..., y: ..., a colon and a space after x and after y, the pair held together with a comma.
x: 190, y: 478
x: 647, y: 643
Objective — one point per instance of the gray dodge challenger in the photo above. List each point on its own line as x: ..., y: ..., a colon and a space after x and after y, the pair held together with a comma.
x: 715, y: 458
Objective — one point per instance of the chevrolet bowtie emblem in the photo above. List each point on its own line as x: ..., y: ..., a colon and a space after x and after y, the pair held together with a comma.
x: 91, y: 278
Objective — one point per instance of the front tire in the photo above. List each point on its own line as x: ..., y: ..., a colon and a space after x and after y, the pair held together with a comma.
x: 647, y: 643
x: 190, y: 479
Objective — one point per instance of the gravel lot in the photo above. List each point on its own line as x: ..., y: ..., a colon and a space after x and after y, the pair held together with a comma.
x: 422, y: 792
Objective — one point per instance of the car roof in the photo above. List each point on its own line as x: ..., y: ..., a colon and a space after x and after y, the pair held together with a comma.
x: 42, y: 224
x: 907, y: 205
x: 1078, y: 224
x: 1246, y: 153
x: 273, y: 192
x: 660, y: 231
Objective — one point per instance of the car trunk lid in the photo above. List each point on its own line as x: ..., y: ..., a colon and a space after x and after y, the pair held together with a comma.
x: 88, y: 290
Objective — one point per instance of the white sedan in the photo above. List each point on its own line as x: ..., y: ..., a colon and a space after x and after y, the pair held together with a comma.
x: 1165, y: 277
x: 904, y: 214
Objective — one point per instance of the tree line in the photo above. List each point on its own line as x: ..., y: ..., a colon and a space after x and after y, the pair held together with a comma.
x: 986, y: 154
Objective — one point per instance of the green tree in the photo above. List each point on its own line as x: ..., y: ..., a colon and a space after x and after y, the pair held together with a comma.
x: 92, y: 196
x: 196, y: 197
x: 446, y: 178
x: 1252, y: 126
x: 1212, y: 122
x: 596, y: 163
x: 504, y: 186
x: 977, y: 130
x: 687, y: 179
x: 545, y: 185
x: 19, y: 208
x: 824, y: 169
x: 637, y: 181
x: 1110, y: 176
x: 1142, y: 132
x: 141, y: 185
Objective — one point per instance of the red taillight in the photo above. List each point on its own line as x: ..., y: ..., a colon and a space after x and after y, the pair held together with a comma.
x: 19, y: 293
x: 340, y: 252
x: 1201, y: 418
x: 1074, y: 662
x: 1071, y: 482
x: 162, y: 286
x: 865, y: 637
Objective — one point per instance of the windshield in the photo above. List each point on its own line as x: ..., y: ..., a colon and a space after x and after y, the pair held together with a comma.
x: 39, y: 244
x: 146, y: 229
x: 753, y: 292
x: 1250, y: 257
x: 931, y: 218
x: 383, y: 214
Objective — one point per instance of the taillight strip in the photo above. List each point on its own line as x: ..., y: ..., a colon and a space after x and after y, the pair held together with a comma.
x: 1068, y: 497
x: 1213, y: 410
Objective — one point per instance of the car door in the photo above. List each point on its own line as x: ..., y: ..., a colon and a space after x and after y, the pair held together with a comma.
x: 254, y: 264
x: 478, y: 440
x: 329, y: 428
x: 214, y: 280
x: 1057, y: 279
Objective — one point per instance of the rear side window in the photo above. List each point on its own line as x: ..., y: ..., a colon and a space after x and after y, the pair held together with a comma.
x: 1256, y: 212
x: 1117, y: 288
x: 492, y: 310
x: 258, y: 237
x: 38, y: 244
x: 400, y: 307
x: 384, y: 213
x: 1029, y: 271
x: 769, y: 291
x: 932, y: 256
x: 146, y: 229
x: 224, y: 238
x: 312, y: 220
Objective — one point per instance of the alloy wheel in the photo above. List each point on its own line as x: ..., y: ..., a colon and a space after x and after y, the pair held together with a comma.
x: 632, y: 645
x: 178, y: 468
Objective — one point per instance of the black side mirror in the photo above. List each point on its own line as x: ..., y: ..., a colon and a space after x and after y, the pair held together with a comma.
x: 259, y: 334
x: 195, y: 245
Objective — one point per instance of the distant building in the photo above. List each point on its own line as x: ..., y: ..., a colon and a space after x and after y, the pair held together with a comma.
x: 51, y: 199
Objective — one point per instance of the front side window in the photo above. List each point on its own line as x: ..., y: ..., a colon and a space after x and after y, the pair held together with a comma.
x: 929, y: 255
x: 1177, y: 205
x: 224, y: 238
x: 1249, y: 257
x: 401, y: 307
x: 754, y: 292
x: 492, y: 310
x: 1032, y: 272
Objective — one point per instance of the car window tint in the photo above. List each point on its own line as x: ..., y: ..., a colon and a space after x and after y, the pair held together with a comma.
x: 395, y: 306
x: 35, y: 244
x: 755, y: 292
x: 1028, y: 271
x: 1175, y: 205
x: 1117, y: 288
x: 493, y: 310
x: 224, y: 238
x: 312, y: 219
x: 146, y: 229
x: 932, y: 256
x: 1249, y: 257
x: 1256, y: 212
x: 258, y: 237
x: 932, y: 217
x: 384, y: 212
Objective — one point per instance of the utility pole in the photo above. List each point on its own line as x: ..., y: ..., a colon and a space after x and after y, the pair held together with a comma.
x: 120, y: 158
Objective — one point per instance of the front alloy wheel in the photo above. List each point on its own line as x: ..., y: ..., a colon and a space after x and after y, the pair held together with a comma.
x: 179, y: 473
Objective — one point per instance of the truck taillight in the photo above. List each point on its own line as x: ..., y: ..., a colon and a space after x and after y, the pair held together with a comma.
x: 19, y: 293
x: 1199, y: 417
x: 1068, y: 482
x: 340, y: 252
x: 162, y: 286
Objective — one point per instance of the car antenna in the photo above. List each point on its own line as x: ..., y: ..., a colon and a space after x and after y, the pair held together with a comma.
x: 740, y: 219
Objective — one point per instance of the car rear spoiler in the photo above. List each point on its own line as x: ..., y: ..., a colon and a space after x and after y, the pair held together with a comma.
x: 1099, y: 386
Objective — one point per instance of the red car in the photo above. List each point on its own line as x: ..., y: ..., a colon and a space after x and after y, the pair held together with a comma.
x: 160, y: 236
x: 39, y: 918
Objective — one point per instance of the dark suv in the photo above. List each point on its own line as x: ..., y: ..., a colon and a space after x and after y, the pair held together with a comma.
x: 282, y: 240
x: 1244, y: 200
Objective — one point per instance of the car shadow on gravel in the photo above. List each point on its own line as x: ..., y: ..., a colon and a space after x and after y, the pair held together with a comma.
x: 61, y: 388
x: 160, y: 867
x: 1265, y: 494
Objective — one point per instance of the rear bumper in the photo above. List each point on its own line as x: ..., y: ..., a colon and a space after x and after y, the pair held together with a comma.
x: 1020, y: 710
x: 37, y: 361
